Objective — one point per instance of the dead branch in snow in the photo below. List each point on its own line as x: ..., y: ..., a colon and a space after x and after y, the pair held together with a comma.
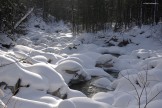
x: 144, y: 83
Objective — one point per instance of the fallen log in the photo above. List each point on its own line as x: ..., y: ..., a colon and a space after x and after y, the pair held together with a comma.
x: 23, y: 18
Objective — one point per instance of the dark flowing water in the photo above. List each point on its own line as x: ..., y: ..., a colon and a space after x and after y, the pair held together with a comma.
x: 88, y: 89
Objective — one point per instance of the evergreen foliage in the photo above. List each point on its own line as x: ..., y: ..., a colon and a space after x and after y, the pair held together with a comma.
x: 86, y: 15
x: 10, y: 12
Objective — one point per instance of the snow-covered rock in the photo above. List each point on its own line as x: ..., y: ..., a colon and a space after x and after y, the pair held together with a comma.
x: 103, y: 83
x: 72, y: 70
x: 82, y: 102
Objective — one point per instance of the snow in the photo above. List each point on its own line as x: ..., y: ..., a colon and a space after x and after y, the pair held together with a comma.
x: 103, y: 83
x: 71, y: 70
x: 5, y: 40
x: 8, y: 75
x: 49, y: 59
x: 104, y: 97
x: 123, y: 100
x: 99, y: 72
x: 41, y: 96
x: 82, y: 102
x: 24, y: 103
x: 157, y: 89
x: 67, y: 104
x: 54, y: 78
x: 155, y: 104
x: 106, y: 58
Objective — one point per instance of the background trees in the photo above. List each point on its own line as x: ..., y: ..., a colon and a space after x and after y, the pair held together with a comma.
x: 85, y: 15
x: 10, y: 13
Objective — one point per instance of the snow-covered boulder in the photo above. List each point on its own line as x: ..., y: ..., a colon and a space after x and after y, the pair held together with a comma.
x: 107, y: 98
x: 51, y: 57
x: 142, y: 53
x: 124, y: 100
x: 126, y: 83
x: 155, y: 104
x: 103, y: 83
x: 5, y: 40
x: 17, y: 102
x: 105, y: 61
x: 82, y: 102
x: 156, y: 92
x: 127, y: 72
x: 55, y: 80
x: 111, y: 50
x: 23, y: 41
x: 40, y: 58
x: 72, y: 70
x: 11, y: 72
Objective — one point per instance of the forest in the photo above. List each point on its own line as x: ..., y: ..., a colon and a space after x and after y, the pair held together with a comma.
x: 80, y: 53
x: 84, y: 15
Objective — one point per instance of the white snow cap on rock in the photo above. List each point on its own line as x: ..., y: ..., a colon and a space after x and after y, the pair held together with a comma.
x: 72, y: 70
x: 103, y: 83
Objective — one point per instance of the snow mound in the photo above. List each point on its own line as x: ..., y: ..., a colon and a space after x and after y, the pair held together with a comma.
x: 82, y: 102
x: 155, y: 104
x: 123, y: 100
x: 142, y: 53
x: 111, y: 50
x: 5, y: 40
x: 67, y: 104
x: 72, y: 70
x: 11, y: 72
x: 103, y: 83
x: 105, y: 61
x: 104, y: 97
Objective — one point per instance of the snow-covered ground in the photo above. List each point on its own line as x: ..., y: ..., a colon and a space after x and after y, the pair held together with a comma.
x: 37, y: 72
